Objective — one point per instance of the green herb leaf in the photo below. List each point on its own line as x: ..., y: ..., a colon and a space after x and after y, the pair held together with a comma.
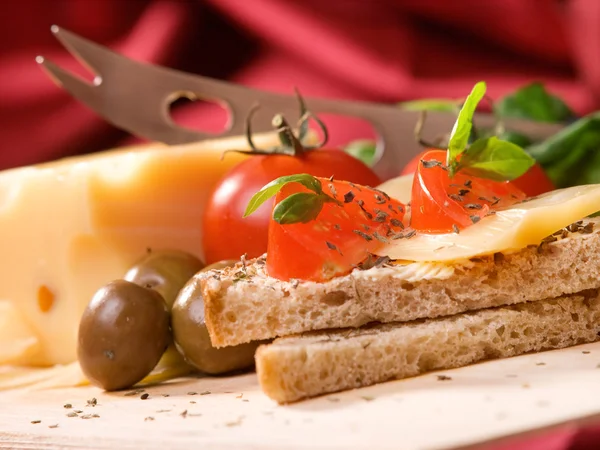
x: 556, y: 147
x: 300, y: 207
x: 363, y: 150
x: 534, y: 102
x: 442, y: 105
x: 459, y: 138
x: 275, y: 186
x: 571, y: 157
x: 516, y: 138
x: 496, y: 160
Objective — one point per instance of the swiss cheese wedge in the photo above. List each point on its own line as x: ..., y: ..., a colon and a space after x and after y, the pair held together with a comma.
x: 18, y: 341
x: 69, y: 227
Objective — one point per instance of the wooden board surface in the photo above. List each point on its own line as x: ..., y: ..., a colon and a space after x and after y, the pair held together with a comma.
x: 478, y: 403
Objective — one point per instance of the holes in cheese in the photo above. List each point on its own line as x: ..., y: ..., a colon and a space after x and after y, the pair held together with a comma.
x: 45, y: 298
x: 514, y: 228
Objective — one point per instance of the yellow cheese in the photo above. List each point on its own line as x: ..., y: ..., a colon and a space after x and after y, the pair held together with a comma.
x: 400, y: 188
x: 523, y: 224
x: 18, y: 341
x: 68, y: 227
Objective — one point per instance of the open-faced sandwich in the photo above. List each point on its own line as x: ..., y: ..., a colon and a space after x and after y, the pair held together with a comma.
x: 346, y: 280
x: 362, y: 285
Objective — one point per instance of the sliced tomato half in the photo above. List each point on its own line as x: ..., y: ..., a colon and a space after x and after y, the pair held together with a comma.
x: 533, y: 182
x: 341, y: 237
x: 440, y: 204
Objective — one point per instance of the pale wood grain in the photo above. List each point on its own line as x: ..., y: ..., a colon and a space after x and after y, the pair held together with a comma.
x: 479, y: 403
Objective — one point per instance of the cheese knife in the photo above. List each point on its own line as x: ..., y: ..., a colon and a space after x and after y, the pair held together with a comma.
x: 136, y: 97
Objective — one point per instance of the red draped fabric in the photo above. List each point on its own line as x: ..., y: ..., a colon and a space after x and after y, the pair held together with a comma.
x: 380, y: 50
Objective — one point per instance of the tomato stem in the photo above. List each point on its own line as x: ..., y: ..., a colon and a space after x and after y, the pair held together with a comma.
x: 291, y: 144
x: 286, y: 136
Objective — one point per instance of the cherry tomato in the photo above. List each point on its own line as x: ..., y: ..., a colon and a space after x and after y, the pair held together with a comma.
x: 412, y: 165
x: 228, y: 235
x: 339, y: 238
x: 440, y: 204
x: 533, y: 182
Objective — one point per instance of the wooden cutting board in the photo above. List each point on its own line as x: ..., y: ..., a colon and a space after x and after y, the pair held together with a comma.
x: 440, y: 410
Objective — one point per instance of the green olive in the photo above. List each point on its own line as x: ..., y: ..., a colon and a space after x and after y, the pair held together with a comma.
x: 123, y: 333
x: 165, y: 271
x: 192, y: 338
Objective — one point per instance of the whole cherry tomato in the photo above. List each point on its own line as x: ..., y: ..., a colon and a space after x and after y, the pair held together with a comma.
x: 228, y: 235
x: 534, y: 182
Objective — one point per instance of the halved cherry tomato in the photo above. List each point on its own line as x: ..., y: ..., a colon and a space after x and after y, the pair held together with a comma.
x: 533, y: 182
x: 228, y: 235
x: 440, y: 204
x: 339, y: 238
x: 412, y: 165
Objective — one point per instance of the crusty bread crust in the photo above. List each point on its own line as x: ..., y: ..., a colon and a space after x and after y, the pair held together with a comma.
x: 244, y: 304
x: 295, y: 368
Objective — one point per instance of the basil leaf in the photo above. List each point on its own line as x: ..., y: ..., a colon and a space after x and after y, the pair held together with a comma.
x: 459, y: 138
x: 495, y: 159
x: 363, y: 150
x: 300, y: 207
x: 570, y: 157
x: 590, y: 166
x: 442, y: 105
x: 269, y: 190
x: 534, y: 102
x: 516, y: 138
x: 556, y: 147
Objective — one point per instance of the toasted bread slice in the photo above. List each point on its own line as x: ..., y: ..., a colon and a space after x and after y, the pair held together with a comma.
x: 295, y: 368
x: 244, y: 304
